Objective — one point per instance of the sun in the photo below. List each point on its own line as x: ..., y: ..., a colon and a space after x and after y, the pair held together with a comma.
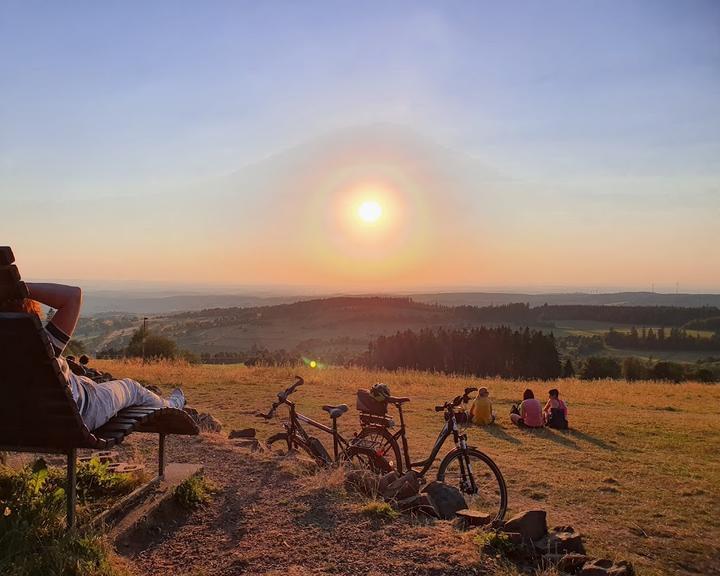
x: 369, y: 211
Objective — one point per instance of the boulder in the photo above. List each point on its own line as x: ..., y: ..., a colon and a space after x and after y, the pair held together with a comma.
x: 532, y: 524
x: 404, y: 487
x: 417, y: 504
x: 251, y: 444
x: 208, y: 423
x: 362, y: 482
x: 386, y: 480
x: 597, y: 567
x: 558, y: 541
x: 244, y: 433
x: 473, y: 518
x: 572, y: 563
x: 446, y: 500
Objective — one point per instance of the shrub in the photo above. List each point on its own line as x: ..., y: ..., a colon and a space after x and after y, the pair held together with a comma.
x: 668, y: 371
x: 33, y: 538
x: 495, y: 543
x: 194, y: 492
x: 599, y: 367
x: 634, y: 369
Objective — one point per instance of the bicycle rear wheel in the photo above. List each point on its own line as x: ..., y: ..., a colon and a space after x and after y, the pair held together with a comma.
x: 478, y: 478
x: 380, y: 441
x: 359, y: 457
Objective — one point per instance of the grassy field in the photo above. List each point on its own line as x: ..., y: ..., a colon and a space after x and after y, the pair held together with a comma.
x: 638, y: 474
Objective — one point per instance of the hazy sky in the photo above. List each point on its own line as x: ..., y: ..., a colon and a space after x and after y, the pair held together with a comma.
x: 527, y: 144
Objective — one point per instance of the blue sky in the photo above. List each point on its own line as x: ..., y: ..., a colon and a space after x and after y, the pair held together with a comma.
x: 601, y: 107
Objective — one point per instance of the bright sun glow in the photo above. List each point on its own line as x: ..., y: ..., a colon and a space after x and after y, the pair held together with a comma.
x: 369, y: 211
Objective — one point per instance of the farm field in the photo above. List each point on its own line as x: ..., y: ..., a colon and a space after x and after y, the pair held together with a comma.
x: 638, y: 474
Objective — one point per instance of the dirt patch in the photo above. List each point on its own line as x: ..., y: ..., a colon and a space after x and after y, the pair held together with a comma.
x: 274, y: 514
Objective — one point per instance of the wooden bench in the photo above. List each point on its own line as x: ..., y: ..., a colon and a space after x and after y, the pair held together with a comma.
x: 37, y: 411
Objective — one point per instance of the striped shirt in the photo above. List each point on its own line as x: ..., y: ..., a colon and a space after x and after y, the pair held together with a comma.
x: 59, y: 341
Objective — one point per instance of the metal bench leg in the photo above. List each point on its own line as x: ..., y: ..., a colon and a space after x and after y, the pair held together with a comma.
x: 71, y: 487
x: 161, y: 456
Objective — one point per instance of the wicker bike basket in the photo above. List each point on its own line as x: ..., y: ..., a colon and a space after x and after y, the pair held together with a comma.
x: 366, y: 403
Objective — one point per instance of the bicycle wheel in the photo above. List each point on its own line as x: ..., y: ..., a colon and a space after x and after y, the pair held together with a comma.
x: 478, y: 478
x: 278, y: 442
x: 380, y: 441
x: 281, y: 442
x: 359, y: 457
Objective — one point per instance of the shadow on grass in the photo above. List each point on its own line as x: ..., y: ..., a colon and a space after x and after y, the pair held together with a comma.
x: 498, y: 432
x: 560, y: 437
x: 591, y: 439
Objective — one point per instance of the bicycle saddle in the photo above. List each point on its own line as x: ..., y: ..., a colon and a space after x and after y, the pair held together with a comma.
x: 335, y: 411
x: 397, y: 400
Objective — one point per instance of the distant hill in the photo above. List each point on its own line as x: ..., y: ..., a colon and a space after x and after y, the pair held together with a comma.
x: 335, y: 329
x: 609, y: 299
x: 98, y: 302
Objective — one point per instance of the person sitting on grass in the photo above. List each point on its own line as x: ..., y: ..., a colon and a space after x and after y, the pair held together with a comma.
x: 97, y: 402
x: 530, y: 413
x: 481, y: 412
x: 555, y: 411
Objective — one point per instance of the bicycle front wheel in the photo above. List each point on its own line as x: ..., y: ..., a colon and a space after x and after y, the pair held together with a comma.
x: 282, y: 443
x: 478, y: 478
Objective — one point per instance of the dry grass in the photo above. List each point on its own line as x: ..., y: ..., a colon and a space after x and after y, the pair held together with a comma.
x: 638, y: 474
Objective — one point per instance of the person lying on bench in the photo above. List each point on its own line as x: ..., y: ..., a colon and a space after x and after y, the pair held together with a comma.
x: 97, y: 402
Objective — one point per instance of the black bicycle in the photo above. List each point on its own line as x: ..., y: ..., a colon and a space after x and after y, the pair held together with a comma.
x: 296, y: 437
x: 471, y: 471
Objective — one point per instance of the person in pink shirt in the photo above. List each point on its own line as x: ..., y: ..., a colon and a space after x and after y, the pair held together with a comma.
x: 530, y: 413
x: 555, y: 411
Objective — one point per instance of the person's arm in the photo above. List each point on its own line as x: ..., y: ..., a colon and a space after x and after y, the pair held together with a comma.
x: 548, y: 406
x: 66, y: 300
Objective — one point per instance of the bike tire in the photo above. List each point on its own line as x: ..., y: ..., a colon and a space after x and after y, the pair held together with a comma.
x: 491, y: 495
x: 294, y: 442
x: 380, y: 440
x: 365, y: 458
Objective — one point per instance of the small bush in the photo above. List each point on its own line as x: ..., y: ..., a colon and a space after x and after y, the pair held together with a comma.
x: 194, y: 492
x: 379, y: 510
x: 495, y: 543
x: 33, y: 538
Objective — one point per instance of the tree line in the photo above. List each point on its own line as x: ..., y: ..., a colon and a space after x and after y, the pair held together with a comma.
x: 660, y: 339
x: 498, y: 351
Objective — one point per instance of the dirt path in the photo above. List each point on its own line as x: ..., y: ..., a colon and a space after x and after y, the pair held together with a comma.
x: 274, y: 515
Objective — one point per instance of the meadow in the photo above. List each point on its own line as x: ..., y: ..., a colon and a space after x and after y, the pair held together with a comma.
x: 637, y: 474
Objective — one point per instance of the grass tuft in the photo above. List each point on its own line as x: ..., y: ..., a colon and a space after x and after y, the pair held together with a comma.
x: 379, y: 511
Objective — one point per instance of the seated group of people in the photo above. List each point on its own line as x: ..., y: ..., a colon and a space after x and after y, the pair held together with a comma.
x: 530, y: 413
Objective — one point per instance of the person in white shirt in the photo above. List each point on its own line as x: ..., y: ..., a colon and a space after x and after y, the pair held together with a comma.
x: 97, y: 402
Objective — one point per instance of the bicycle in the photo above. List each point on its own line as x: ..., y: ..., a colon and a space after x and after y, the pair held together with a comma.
x: 295, y: 436
x: 465, y: 467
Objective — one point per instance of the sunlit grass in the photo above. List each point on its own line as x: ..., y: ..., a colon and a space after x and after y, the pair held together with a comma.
x: 638, y: 472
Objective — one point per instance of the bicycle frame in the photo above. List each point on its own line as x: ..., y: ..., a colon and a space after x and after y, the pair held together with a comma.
x: 295, y: 428
x: 448, y: 429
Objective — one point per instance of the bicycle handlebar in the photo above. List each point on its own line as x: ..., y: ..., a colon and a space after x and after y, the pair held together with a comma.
x: 465, y: 397
x: 282, y: 398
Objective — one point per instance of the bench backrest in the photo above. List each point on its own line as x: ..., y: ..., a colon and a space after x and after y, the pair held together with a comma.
x: 36, y: 405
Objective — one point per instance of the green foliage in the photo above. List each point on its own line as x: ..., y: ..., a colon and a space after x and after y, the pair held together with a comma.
x: 635, y: 369
x: 194, y: 492
x: 155, y: 346
x: 94, y: 480
x: 599, y: 367
x: 668, y: 371
x: 379, y: 510
x: 33, y: 538
x: 495, y: 543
